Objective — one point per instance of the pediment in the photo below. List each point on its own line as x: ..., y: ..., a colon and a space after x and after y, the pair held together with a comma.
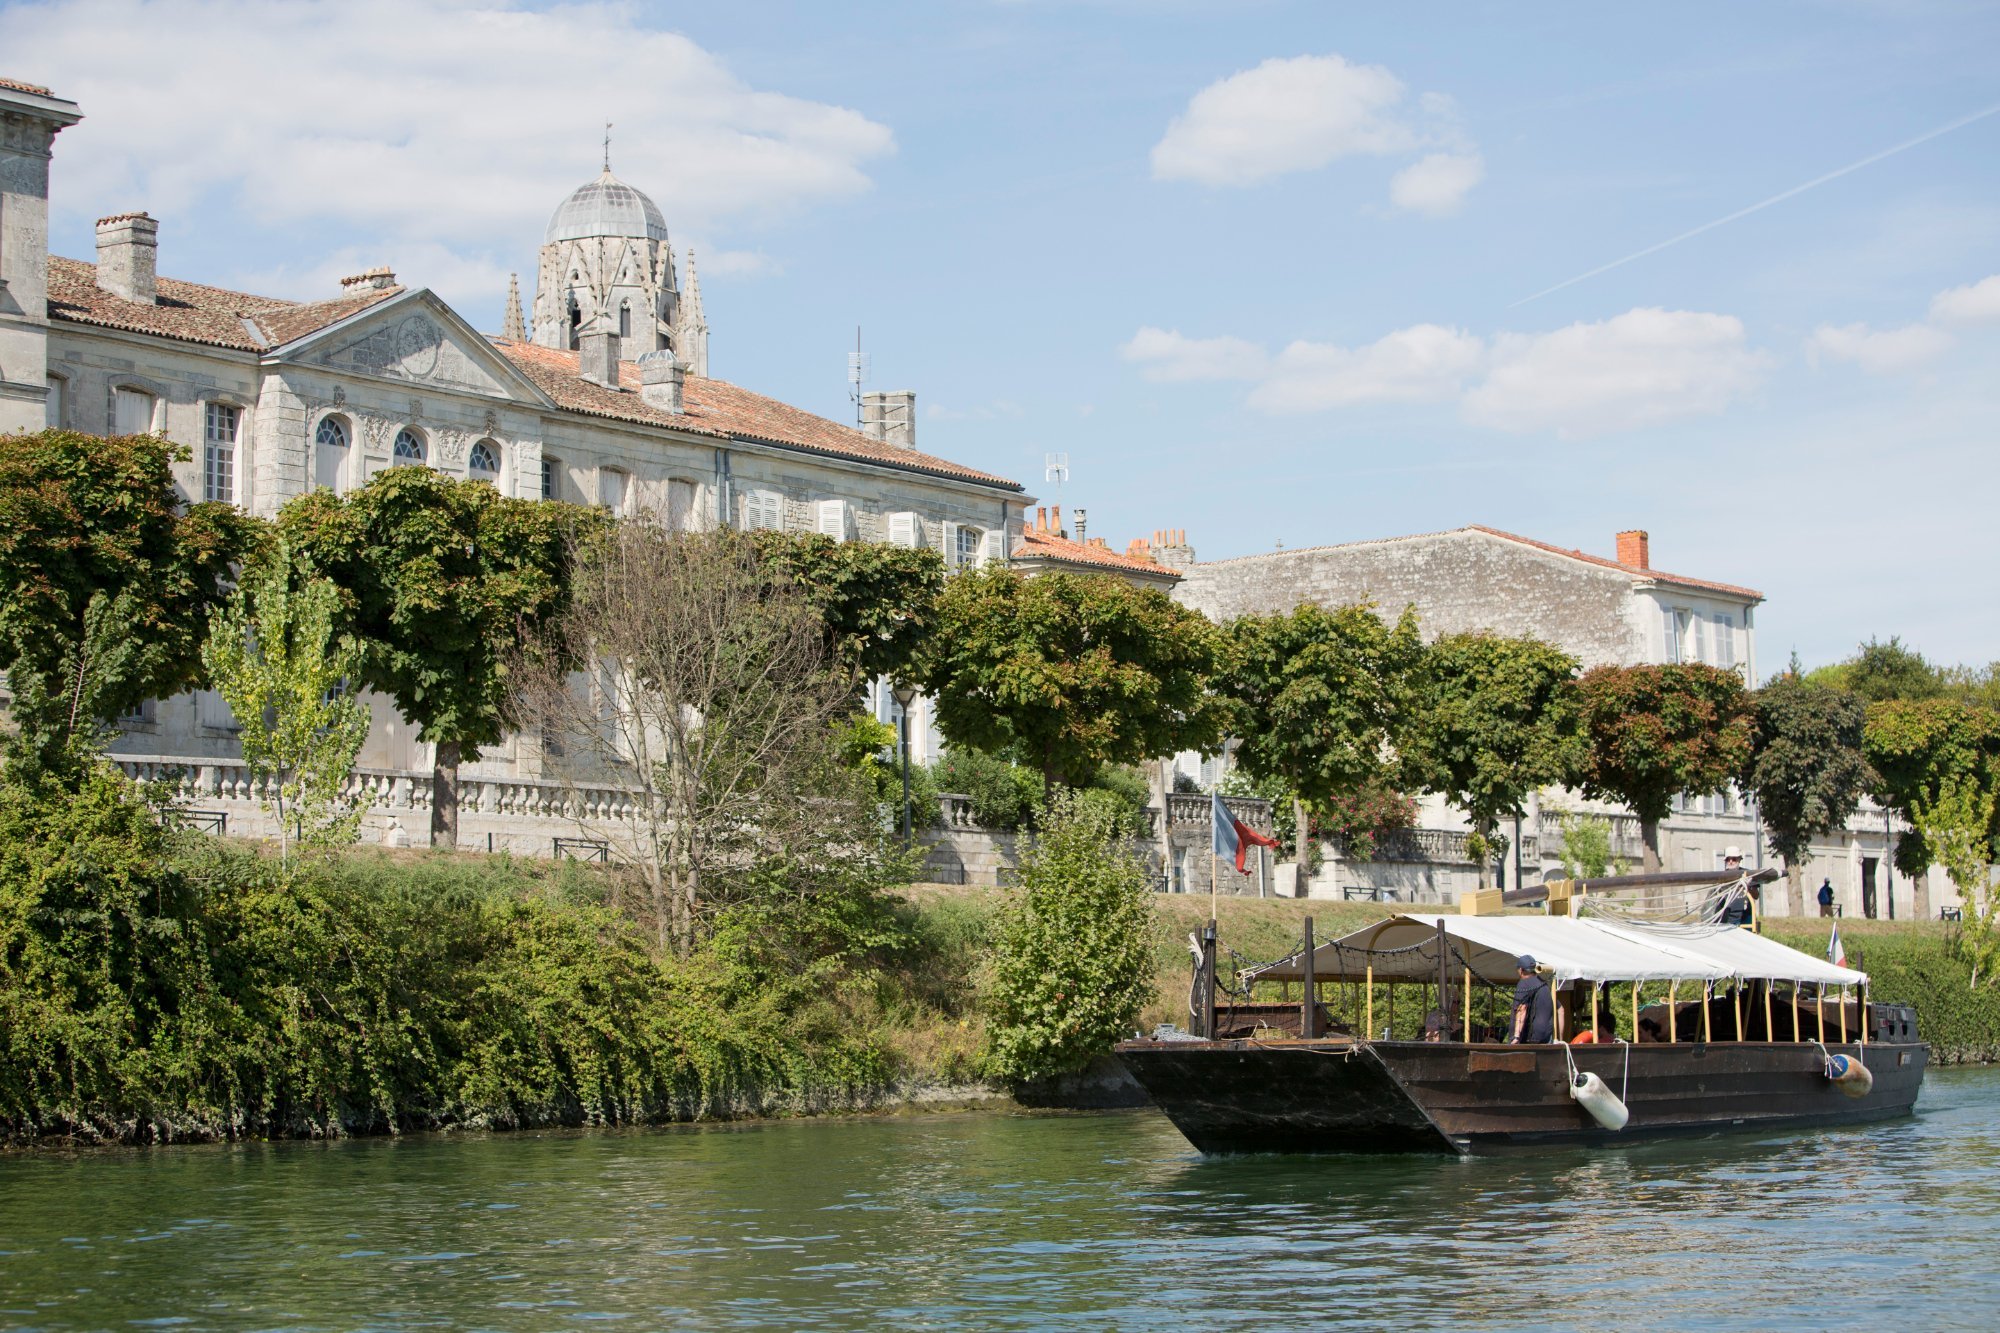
x: 416, y: 339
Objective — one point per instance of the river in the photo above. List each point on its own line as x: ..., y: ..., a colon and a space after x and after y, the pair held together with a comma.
x: 1010, y: 1221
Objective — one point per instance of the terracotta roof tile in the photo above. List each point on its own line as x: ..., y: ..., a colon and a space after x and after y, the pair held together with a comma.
x: 1037, y: 544
x: 1657, y: 575
x: 15, y: 85
x: 192, y: 312
x: 719, y: 408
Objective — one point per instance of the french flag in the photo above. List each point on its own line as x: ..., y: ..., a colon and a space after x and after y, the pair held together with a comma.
x: 1834, y: 953
x: 1232, y: 836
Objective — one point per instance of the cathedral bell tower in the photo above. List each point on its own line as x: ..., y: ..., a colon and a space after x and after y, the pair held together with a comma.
x: 605, y: 257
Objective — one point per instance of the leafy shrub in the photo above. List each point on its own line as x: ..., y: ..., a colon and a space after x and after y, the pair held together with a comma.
x: 1003, y: 794
x: 1072, y: 964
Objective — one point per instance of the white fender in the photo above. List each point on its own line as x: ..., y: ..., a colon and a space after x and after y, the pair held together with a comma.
x: 1850, y: 1075
x: 1590, y: 1093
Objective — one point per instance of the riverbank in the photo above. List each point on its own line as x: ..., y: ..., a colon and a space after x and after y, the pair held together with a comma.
x: 395, y: 992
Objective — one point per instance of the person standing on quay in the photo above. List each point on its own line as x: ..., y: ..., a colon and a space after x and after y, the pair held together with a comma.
x: 1826, y: 896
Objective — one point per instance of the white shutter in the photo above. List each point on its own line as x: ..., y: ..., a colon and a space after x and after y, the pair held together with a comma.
x: 831, y: 519
x: 905, y: 530
x: 993, y: 547
x: 950, y: 544
x: 1725, y: 641
x: 764, y: 509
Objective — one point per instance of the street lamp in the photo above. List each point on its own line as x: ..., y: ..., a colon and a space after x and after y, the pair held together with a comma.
x: 905, y: 696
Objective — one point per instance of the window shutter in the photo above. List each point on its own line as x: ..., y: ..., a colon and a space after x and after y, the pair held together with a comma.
x: 904, y: 530
x: 951, y: 560
x: 832, y: 519
x: 1725, y: 641
x: 993, y: 547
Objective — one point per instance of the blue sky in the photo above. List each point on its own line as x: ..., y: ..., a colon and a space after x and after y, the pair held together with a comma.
x: 1260, y: 269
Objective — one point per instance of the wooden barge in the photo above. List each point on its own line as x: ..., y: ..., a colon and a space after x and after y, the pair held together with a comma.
x: 1767, y: 1039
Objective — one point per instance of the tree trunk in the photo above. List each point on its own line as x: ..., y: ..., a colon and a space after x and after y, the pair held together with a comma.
x: 444, y: 795
x: 1302, y: 841
x: 1922, y: 884
x: 1795, y: 886
x: 1649, y: 840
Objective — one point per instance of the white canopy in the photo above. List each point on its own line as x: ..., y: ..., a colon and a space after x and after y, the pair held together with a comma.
x: 1404, y: 948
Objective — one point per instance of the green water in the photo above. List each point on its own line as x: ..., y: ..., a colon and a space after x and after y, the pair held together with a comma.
x: 989, y: 1221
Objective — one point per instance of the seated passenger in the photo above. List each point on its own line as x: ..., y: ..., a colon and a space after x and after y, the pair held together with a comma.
x: 1607, y: 1031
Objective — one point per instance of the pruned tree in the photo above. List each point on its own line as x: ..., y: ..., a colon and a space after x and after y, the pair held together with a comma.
x: 274, y: 655
x: 1805, y: 768
x: 1657, y: 732
x: 1319, y: 700
x: 1957, y: 828
x: 106, y: 582
x: 442, y: 582
x: 876, y: 601
x: 1074, y: 671
x: 713, y: 697
x: 1917, y: 749
x: 1493, y: 720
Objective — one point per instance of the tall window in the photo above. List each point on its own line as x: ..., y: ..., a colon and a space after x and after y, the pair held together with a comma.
x: 330, y: 440
x: 551, y: 478
x: 612, y: 486
x: 218, y: 459
x: 58, y: 402
x: 409, y: 448
x: 625, y: 320
x: 131, y: 412
x: 484, y: 462
x: 967, y: 554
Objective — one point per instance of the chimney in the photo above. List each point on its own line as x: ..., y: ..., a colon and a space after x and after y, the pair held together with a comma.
x: 597, y: 359
x: 1635, y: 549
x: 1171, y: 548
x: 1080, y: 517
x: 890, y: 415
x: 376, y: 279
x: 128, y: 251
x: 661, y: 376
x: 1055, y: 520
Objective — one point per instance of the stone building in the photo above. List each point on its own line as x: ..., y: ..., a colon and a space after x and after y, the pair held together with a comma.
x: 1046, y: 546
x: 608, y: 403
x: 1616, y: 610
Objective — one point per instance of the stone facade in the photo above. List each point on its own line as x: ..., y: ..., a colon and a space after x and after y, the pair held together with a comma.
x: 30, y: 119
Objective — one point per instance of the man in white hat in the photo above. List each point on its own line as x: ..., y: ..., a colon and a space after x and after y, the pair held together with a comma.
x: 1736, y: 911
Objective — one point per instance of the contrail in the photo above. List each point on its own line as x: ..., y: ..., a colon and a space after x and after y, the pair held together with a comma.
x: 1835, y: 174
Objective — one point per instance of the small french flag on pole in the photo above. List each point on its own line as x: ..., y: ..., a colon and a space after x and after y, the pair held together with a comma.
x: 1233, y: 837
x: 1835, y: 954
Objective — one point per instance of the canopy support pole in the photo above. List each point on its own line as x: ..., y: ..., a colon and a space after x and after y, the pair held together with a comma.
x: 1862, y: 1014
x: 1593, y: 1012
x: 1368, y: 1021
x: 1795, y: 1011
x: 1819, y: 1011
x: 1673, y: 1014
x: 1309, y: 1015
x: 1465, y: 1034
x: 1736, y: 994
x: 1635, y: 1009
x: 1843, y: 1015
x: 1208, y: 981
x: 1444, y: 983
x: 1770, y: 1028
x: 1707, y: 1003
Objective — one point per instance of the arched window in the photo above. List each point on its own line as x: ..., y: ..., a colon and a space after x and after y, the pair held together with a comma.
x: 484, y: 461
x: 625, y: 320
x: 330, y: 440
x: 409, y: 448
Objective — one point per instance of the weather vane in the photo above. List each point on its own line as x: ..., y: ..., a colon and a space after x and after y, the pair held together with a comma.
x: 607, y: 145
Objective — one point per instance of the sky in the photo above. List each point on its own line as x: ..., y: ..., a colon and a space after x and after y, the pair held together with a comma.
x: 1270, y: 271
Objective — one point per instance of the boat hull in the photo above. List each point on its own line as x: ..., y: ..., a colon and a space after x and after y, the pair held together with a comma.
x: 1340, y: 1096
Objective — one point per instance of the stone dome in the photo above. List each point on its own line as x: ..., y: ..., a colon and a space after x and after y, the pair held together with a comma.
x: 606, y: 207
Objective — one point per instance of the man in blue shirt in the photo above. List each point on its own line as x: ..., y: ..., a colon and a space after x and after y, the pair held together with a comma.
x: 1534, y: 1007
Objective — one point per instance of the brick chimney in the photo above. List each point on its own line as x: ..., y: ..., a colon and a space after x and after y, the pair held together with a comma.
x: 1055, y: 521
x: 597, y: 356
x: 1170, y: 548
x: 661, y: 377
x: 1635, y: 549
x: 890, y: 415
x: 128, y: 251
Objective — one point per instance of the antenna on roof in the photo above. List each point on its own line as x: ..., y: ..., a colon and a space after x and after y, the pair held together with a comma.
x: 607, y: 145
x: 857, y: 375
x: 1055, y: 471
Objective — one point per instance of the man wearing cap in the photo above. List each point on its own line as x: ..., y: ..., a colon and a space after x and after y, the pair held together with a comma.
x: 1736, y: 911
x: 1534, y: 1007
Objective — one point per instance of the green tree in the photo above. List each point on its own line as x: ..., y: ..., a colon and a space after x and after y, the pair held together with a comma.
x: 106, y: 581
x: 288, y: 677
x: 1957, y: 828
x: 1805, y: 766
x: 1917, y: 748
x: 1880, y: 671
x: 1585, y: 848
x: 1073, y: 962
x: 1075, y: 671
x: 1494, y: 720
x: 1320, y: 700
x: 443, y: 582
x: 876, y: 601
x: 1656, y: 732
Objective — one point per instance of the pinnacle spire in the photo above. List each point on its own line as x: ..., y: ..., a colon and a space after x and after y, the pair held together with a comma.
x: 691, y: 337
x: 516, y: 327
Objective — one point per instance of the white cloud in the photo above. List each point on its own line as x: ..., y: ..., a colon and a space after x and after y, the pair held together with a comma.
x: 1878, y: 351
x: 1436, y: 185
x: 1637, y: 369
x: 1285, y: 115
x: 1978, y: 303
x: 1423, y: 363
x: 460, y: 123
x: 1164, y: 356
